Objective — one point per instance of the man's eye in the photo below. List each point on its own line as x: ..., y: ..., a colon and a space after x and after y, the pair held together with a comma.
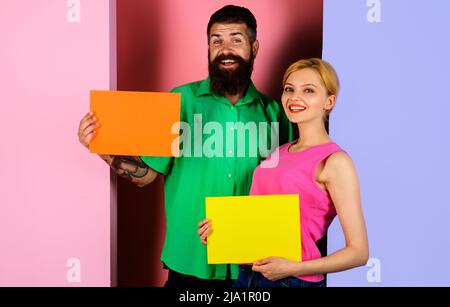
x: 237, y: 41
x: 216, y: 42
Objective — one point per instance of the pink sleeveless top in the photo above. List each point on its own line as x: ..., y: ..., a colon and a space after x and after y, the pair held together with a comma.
x: 296, y: 174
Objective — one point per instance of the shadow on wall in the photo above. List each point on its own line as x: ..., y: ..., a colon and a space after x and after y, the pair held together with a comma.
x: 303, y: 40
x: 138, y: 33
x: 140, y: 211
x: 306, y: 46
x: 141, y: 220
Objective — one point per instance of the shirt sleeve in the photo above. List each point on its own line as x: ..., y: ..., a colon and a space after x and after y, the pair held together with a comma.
x: 162, y: 165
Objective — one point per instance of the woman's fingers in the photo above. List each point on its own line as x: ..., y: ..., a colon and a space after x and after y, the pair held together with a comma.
x: 204, y: 228
x: 204, y: 236
x: 262, y: 261
x: 203, y: 222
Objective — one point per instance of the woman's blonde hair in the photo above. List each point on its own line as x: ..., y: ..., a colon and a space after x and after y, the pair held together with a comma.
x: 326, y: 72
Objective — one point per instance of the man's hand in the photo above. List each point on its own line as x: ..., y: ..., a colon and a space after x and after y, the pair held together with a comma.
x: 274, y: 268
x: 130, y: 168
x: 87, y: 128
x: 204, y: 229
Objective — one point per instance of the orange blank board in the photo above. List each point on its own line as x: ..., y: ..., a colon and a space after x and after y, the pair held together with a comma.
x: 136, y: 123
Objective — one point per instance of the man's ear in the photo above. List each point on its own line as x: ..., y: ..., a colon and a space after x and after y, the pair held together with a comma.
x: 255, y: 48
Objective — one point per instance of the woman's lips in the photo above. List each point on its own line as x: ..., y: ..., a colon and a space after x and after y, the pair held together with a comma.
x: 296, y: 108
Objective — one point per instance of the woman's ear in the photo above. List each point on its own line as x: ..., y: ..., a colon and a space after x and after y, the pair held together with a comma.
x: 331, y: 102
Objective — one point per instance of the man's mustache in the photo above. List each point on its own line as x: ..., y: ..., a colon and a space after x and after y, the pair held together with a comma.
x: 224, y: 57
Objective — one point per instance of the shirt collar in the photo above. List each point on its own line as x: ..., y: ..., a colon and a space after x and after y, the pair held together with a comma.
x: 251, y: 95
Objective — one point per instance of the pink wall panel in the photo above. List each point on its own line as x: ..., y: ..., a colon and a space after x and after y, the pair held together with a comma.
x: 54, y: 200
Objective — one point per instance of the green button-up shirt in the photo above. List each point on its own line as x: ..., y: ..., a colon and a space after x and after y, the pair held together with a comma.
x: 217, y: 160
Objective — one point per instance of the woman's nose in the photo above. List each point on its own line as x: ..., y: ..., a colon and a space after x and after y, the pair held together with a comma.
x: 294, y: 98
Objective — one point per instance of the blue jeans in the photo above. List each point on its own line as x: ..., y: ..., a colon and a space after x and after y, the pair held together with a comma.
x: 249, y: 279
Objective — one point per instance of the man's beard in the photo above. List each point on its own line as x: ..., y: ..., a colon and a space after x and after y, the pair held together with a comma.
x: 230, y: 82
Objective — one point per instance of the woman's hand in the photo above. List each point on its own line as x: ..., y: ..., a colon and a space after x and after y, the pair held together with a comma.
x: 274, y: 268
x: 204, y: 229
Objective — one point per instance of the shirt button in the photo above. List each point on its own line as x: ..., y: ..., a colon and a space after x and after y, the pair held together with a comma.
x: 229, y: 175
x: 230, y: 152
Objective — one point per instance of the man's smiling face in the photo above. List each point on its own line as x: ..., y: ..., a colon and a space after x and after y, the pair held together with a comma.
x: 231, y: 55
x: 229, y: 41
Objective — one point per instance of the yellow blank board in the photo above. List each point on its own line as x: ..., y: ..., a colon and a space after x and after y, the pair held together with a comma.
x: 250, y: 228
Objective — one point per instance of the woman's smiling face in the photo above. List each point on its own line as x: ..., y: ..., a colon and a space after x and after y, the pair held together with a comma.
x: 305, y: 97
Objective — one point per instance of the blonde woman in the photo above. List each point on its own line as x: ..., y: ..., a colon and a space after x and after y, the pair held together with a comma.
x: 324, y: 176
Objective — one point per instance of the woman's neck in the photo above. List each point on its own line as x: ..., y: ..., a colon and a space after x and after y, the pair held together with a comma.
x: 311, y: 134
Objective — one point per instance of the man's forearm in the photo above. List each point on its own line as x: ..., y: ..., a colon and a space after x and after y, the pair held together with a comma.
x: 131, y: 168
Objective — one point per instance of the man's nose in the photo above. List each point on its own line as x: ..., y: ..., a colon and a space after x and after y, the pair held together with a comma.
x: 226, y: 48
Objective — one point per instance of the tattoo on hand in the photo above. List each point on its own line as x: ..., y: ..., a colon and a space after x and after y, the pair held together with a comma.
x: 129, y: 167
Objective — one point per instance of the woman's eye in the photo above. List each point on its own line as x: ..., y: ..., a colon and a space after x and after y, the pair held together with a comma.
x: 288, y: 89
x: 309, y: 90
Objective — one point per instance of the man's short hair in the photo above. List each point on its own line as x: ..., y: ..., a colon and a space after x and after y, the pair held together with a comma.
x: 235, y: 14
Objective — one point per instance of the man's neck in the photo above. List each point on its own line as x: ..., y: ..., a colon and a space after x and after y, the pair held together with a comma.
x: 234, y: 98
